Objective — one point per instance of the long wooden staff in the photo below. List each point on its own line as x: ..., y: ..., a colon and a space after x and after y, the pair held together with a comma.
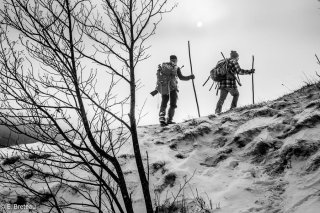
x: 194, y: 89
x: 317, y: 59
x: 252, y: 81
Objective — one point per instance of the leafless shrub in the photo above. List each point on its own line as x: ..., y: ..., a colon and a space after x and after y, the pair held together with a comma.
x: 50, y: 77
x: 160, y: 165
x: 174, y: 203
x: 10, y: 160
x: 314, y: 163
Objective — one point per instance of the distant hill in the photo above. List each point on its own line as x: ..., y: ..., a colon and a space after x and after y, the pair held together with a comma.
x: 9, y: 138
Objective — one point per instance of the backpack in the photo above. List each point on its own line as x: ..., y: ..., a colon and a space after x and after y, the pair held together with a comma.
x: 220, y: 71
x: 166, y: 78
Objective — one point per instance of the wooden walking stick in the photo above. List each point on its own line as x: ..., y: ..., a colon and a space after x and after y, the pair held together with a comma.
x: 194, y: 89
x: 252, y: 81
x: 317, y: 59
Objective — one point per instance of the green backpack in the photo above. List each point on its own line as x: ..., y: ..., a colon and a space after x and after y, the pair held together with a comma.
x: 166, y: 78
x: 221, y: 71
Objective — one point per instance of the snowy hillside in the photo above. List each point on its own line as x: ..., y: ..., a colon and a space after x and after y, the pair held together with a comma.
x: 259, y: 158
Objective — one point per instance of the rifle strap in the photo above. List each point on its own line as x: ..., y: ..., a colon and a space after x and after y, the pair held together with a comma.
x: 206, y: 81
x: 211, y: 86
x: 238, y: 79
x: 217, y: 88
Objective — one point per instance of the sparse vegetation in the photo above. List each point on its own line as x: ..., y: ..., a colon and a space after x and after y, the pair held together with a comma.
x: 214, y: 160
x: 160, y: 165
x: 177, y: 129
x: 315, y: 104
x: 180, y: 156
x: 296, y: 126
x: 242, y: 139
x: 177, y: 202
x: 260, y: 150
x: 126, y: 156
x: 220, y: 142
x: 28, y: 174
x: 34, y: 156
x: 250, y: 107
x: 173, y: 146
x: 168, y: 180
x: 20, y: 200
x: 301, y: 148
x: 199, y: 130
x: 212, y: 116
x: 10, y: 160
x: 313, y: 164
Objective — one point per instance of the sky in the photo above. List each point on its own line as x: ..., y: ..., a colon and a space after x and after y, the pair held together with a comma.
x: 283, y: 36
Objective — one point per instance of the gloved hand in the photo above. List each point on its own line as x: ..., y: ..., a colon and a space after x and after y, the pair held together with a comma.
x: 192, y: 76
x: 252, y: 70
x: 154, y: 92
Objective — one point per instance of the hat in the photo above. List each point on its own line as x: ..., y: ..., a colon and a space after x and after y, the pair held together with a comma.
x: 234, y: 54
x: 172, y: 57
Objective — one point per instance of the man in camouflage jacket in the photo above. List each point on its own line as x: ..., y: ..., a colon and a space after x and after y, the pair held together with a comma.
x: 169, y: 91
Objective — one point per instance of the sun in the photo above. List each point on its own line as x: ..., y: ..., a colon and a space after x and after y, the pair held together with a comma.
x: 199, y: 24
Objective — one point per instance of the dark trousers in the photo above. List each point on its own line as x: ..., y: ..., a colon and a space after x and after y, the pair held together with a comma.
x: 223, y: 95
x: 173, y: 97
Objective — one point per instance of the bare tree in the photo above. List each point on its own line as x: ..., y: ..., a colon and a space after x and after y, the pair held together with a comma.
x: 122, y: 38
x: 52, y: 94
x: 51, y: 102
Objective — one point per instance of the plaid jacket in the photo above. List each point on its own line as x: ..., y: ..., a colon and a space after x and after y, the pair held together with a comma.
x: 234, y: 68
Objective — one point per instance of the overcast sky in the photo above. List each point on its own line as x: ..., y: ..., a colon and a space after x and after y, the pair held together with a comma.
x: 283, y: 35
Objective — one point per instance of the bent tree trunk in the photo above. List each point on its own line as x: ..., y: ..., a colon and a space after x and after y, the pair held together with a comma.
x: 121, y: 180
x: 135, y: 140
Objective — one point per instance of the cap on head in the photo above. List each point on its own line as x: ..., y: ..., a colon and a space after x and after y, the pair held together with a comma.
x: 173, y: 57
x: 234, y: 54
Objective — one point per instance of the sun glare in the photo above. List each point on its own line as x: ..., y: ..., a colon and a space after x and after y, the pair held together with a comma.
x: 199, y: 24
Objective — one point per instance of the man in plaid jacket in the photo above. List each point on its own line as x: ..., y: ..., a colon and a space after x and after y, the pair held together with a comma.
x: 230, y: 83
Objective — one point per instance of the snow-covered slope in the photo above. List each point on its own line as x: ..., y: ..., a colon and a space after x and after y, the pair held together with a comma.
x: 258, y: 158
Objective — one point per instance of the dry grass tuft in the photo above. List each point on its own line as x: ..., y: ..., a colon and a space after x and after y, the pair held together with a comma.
x: 11, y: 160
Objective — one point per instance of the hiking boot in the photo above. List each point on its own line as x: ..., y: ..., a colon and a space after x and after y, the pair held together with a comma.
x: 170, y: 122
x: 162, y: 123
x: 162, y: 120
